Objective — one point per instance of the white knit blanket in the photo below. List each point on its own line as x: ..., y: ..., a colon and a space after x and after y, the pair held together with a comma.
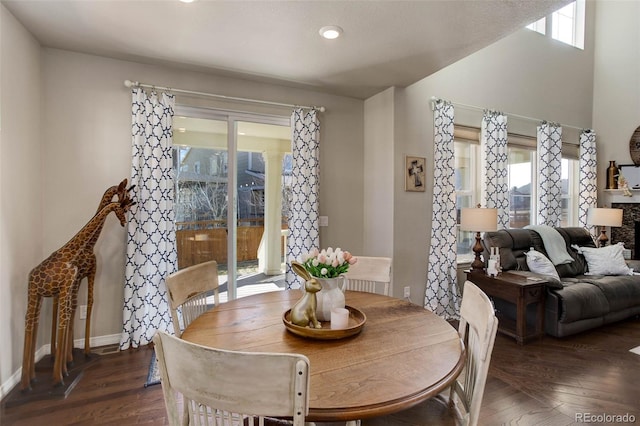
x: 554, y: 244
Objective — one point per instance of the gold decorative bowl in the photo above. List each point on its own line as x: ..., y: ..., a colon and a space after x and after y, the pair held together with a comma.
x: 357, y: 318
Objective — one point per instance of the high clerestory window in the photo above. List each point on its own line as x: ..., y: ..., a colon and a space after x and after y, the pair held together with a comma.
x: 565, y: 24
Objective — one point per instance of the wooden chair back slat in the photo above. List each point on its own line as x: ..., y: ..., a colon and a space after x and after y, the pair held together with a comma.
x: 188, y: 289
x: 227, y: 387
x: 370, y: 274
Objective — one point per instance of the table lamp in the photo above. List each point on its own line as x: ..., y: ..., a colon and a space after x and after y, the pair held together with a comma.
x: 478, y: 220
x: 602, y: 217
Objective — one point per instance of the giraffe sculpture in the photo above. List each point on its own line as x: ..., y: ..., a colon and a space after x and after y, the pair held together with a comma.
x: 86, y: 269
x: 57, y: 276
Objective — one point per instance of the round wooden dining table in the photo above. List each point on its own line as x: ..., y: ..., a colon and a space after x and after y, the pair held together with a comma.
x: 403, y: 355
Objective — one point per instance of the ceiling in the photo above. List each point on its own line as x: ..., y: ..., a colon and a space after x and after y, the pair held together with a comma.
x: 384, y: 44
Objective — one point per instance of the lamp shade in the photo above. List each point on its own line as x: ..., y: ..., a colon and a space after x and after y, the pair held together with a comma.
x: 604, y: 216
x: 478, y: 219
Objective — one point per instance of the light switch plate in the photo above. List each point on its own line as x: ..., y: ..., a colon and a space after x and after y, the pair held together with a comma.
x: 324, y: 221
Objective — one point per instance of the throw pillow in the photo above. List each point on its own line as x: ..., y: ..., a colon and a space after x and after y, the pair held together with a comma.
x: 538, y: 263
x: 607, y: 260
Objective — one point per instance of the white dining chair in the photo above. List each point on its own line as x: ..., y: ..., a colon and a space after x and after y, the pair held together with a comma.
x: 370, y: 274
x: 221, y: 387
x: 187, y: 291
x: 477, y: 329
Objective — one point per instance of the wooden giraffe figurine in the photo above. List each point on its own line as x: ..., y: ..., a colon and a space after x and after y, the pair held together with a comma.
x: 86, y: 269
x: 57, y: 277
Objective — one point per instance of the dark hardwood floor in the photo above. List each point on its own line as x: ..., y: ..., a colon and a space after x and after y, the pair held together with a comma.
x: 547, y: 382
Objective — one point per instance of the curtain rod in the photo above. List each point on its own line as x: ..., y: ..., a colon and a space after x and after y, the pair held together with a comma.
x: 434, y: 99
x: 129, y: 84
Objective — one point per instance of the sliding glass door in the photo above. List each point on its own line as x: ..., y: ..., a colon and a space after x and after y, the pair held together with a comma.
x: 231, y: 185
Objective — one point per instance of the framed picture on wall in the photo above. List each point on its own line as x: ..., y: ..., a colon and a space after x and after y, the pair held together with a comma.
x: 414, y: 174
x: 631, y: 172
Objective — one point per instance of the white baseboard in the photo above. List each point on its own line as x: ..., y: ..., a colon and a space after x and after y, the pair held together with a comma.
x: 94, y: 342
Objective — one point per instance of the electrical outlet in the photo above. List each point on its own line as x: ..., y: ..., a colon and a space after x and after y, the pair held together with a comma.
x: 407, y: 292
x: 83, y: 312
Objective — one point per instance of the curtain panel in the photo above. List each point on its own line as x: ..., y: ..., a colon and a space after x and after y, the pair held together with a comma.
x: 549, y: 171
x: 588, y: 176
x: 494, y: 160
x: 304, y: 232
x: 441, y: 295
x: 151, y: 247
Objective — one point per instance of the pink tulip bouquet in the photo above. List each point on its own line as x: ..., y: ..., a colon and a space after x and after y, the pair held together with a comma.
x: 328, y: 263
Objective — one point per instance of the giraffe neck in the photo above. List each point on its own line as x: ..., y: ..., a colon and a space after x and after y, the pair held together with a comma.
x: 104, y: 201
x: 91, y: 229
x: 107, y: 197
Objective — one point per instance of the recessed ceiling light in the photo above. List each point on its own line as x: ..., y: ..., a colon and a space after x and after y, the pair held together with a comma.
x: 186, y: 1
x: 330, y: 32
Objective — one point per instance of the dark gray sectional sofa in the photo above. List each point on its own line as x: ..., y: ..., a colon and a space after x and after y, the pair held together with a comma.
x: 581, y: 302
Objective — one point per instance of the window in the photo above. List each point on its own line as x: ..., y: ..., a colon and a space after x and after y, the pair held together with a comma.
x: 521, y: 186
x: 539, y: 26
x: 568, y: 24
x: 222, y: 187
x: 565, y: 24
x: 467, y: 172
x: 569, y: 178
x: 523, y: 183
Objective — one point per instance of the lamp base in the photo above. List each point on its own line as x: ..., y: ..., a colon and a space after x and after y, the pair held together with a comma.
x: 602, y: 239
x: 478, y: 264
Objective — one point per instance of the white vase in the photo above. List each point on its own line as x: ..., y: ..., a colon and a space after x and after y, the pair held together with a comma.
x: 331, y: 296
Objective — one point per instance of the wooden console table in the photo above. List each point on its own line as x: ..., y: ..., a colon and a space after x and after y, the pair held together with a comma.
x: 521, y: 291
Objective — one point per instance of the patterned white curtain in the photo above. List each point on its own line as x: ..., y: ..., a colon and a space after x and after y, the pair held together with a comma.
x: 494, y: 157
x: 441, y: 294
x: 549, y: 170
x: 304, y: 233
x: 151, y: 246
x: 587, y: 181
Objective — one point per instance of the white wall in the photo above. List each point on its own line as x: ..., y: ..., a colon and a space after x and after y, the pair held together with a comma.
x: 616, y: 97
x: 378, y: 175
x: 523, y: 74
x: 20, y: 185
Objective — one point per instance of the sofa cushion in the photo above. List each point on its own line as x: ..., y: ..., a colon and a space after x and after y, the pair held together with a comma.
x: 512, y: 245
x: 605, y: 260
x: 581, y: 300
x: 621, y: 291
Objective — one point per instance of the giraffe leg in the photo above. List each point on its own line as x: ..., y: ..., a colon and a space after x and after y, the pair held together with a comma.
x: 54, y: 323
x: 74, y: 305
x: 87, y: 327
x: 34, y: 336
x: 30, y: 331
x: 25, y: 382
x: 64, y: 314
x: 64, y: 351
x: 61, y: 343
x: 69, y: 342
